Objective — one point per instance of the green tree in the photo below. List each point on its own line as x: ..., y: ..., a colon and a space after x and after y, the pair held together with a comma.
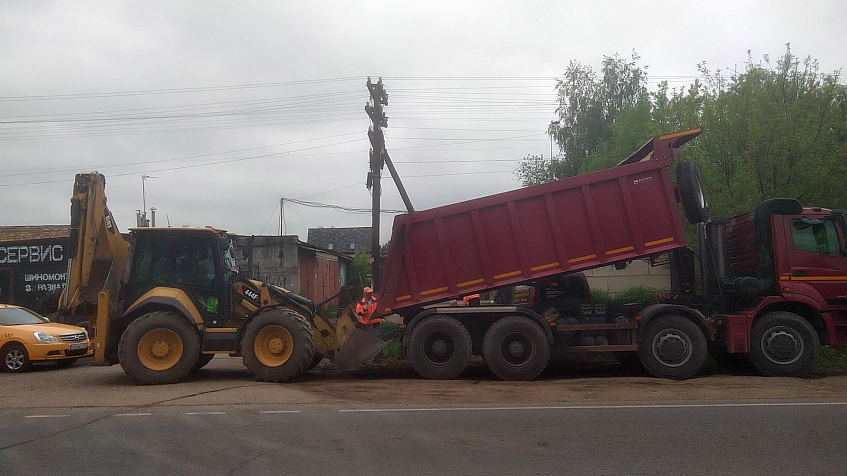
x: 588, y: 107
x: 359, y: 274
x: 775, y: 129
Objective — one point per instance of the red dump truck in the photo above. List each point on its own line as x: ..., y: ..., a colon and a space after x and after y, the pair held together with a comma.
x: 774, y: 281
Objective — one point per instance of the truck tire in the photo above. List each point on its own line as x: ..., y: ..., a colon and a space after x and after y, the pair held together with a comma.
x: 672, y: 347
x: 691, y: 193
x: 15, y: 359
x: 278, y: 346
x: 783, y: 344
x: 516, y: 348
x: 160, y: 347
x: 439, y: 348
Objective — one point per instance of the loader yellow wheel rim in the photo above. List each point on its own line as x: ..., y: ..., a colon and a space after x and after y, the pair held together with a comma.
x: 273, y: 345
x: 160, y: 349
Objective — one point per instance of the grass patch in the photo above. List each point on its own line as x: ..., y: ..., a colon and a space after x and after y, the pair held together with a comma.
x: 831, y: 362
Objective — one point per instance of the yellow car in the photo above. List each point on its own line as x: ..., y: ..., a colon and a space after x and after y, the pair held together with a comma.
x: 26, y: 337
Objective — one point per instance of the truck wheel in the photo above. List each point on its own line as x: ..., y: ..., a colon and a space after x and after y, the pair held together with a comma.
x: 516, y: 348
x: 203, y: 360
x: 278, y: 346
x: 783, y: 344
x: 691, y: 193
x: 160, y: 347
x: 15, y: 359
x: 439, y: 348
x: 672, y: 347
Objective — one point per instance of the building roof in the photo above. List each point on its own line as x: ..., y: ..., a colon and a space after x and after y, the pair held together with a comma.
x: 343, y: 240
x: 33, y: 232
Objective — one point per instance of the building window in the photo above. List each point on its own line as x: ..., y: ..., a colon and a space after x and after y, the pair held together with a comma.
x: 352, y: 246
x: 329, y: 246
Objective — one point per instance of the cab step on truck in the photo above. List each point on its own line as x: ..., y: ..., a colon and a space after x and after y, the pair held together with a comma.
x: 166, y: 302
x: 774, y: 280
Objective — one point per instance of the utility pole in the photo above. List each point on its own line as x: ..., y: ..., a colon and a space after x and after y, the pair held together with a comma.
x: 379, y: 120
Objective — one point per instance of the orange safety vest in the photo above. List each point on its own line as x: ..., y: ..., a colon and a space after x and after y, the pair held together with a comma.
x: 365, y: 310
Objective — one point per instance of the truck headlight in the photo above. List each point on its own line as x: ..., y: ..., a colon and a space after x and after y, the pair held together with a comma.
x: 45, y: 338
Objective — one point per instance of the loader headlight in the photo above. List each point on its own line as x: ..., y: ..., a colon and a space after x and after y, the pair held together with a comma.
x: 45, y: 338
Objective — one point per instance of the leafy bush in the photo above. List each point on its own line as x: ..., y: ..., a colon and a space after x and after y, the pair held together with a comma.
x: 390, y: 329
x: 634, y: 294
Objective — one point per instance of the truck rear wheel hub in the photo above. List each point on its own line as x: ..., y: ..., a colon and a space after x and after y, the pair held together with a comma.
x: 439, y: 348
x: 672, y: 348
x: 516, y: 349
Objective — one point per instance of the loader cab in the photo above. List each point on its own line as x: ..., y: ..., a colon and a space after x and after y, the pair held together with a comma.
x: 197, y: 261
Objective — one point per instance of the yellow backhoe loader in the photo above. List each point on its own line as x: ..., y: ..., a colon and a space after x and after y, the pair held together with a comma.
x: 165, y: 302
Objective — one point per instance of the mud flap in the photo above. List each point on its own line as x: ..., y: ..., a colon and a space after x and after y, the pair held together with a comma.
x: 356, y: 343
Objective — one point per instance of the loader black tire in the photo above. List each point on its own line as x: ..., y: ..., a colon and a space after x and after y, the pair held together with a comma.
x: 318, y: 358
x: 516, y: 348
x: 672, y: 347
x: 783, y: 344
x: 691, y: 193
x: 439, y: 348
x: 160, y: 347
x: 203, y: 361
x: 278, y: 346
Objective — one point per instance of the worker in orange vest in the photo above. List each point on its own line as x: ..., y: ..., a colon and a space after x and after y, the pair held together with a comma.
x: 471, y: 300
x: 366, y: 307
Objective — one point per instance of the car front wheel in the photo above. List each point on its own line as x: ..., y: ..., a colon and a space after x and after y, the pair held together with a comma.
x: 16, y: 359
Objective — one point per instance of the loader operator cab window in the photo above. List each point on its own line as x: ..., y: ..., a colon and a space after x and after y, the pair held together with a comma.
x: 177, y: 260
x: 195, y: 266
x: 815, y: 236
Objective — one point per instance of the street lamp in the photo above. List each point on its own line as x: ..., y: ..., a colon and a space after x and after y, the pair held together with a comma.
x: 143, y: 218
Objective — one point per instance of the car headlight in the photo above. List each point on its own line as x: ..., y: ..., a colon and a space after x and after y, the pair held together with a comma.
x: 45, y: 338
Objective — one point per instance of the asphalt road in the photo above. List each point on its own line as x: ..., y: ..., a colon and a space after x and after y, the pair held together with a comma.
x: 92, y: 420
x: 632, y: 438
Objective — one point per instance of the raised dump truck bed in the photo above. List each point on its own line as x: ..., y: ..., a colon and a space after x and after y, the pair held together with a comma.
x: 569, y: 225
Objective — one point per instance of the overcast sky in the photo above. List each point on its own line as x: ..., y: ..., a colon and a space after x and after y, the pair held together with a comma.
x: 234, y: 105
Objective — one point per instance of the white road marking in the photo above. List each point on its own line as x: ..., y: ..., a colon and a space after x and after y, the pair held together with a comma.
x: 597, y: 407
x: 132, y: 414
x: 45, y: 416
x: 205, y: 413
x: 279, y: 411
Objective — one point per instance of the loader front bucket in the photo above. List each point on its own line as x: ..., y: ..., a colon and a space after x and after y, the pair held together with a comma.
x: 356, y: 342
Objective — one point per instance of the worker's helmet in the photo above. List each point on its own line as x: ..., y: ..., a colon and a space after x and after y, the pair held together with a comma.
x: 368, y: 290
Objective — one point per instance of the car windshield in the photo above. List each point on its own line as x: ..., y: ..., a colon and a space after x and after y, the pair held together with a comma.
x: 15, y: 316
